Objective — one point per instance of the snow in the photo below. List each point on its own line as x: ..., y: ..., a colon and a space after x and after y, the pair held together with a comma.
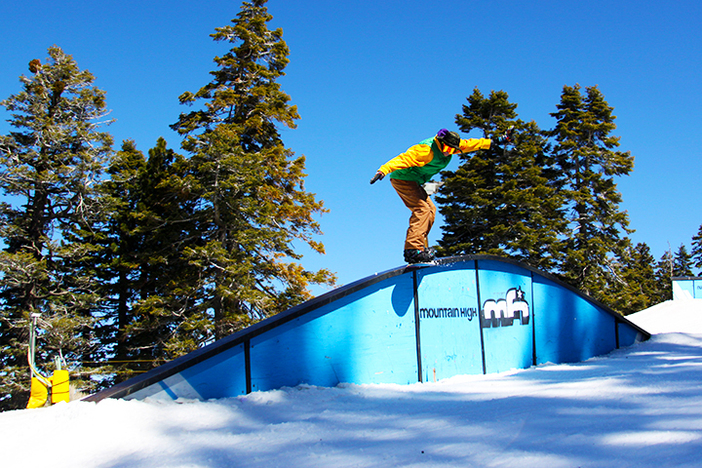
x: 636, y: 407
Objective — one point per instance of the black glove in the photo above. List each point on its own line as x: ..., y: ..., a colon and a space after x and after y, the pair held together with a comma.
x: 378, y: 176
x: 504, y: 139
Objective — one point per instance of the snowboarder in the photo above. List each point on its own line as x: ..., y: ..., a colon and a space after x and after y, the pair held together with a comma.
x: 414, y: 168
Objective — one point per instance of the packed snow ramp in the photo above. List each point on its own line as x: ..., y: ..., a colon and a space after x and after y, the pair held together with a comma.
x: 467, y: 315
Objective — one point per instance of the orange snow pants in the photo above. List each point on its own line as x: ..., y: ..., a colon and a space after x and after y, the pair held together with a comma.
x: 423, y: 212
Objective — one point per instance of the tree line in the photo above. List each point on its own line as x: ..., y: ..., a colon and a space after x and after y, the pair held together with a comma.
x: 551, y: 201
x: 130, y: 259
x: 127, y: 260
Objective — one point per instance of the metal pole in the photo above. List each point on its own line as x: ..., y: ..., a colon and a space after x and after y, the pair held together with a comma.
x: 32, y: 341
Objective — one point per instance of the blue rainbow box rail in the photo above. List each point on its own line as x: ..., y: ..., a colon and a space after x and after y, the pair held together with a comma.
x: 468, y: 315
x: 687, y: 287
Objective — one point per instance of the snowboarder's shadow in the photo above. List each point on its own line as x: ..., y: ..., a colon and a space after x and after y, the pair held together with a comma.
x: 402, y: 297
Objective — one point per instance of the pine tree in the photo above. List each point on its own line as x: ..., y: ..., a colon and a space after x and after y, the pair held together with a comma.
x: 664, y: 277
x: 49, y: 166
x: 682, y: 262
x: 697, y: 251
x: 252, y: 201
x: 586, y: 156
x: 119, y: 259
x: 635, y: 288
x: 502, y: 201
x: 166, y: 321
x: 150, y: 314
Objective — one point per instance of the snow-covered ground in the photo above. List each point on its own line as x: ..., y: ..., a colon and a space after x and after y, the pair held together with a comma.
x: 636, y: 407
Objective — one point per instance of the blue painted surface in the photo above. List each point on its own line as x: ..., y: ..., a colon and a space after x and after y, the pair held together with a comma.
x: 505, y: 295
x: 221, y: 377
x: 627, y: 336
x: 449, y: 322
x: 687, y: 288
x: 472, y: 315
x: 569, y: 327
x: 367, y: 337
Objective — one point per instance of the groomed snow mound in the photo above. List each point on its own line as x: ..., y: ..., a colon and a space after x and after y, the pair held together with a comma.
x: 636, y: 407
x: 683, y: 315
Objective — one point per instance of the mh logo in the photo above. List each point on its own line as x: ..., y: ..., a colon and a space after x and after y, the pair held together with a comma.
x: 502, y: 313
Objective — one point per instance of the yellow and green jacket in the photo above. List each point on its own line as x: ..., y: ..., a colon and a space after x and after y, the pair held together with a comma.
x: 423, y: 161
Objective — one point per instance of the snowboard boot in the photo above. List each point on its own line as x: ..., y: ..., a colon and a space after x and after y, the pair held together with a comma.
x: 419, y: 256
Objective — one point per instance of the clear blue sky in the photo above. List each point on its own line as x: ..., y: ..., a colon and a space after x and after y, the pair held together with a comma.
x: 371, y: 78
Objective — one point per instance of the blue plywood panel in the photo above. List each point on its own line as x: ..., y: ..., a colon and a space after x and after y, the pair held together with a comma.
x: 366, y: 337
x: 222, y: 376
x: 687, y: 288
x: 449, y: 323
x: 683, y: 289
x: 628, y: 335
x: 568, y: 327
x: 506, y: 315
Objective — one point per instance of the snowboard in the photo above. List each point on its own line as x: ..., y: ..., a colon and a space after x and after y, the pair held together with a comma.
x: 414, y: 266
